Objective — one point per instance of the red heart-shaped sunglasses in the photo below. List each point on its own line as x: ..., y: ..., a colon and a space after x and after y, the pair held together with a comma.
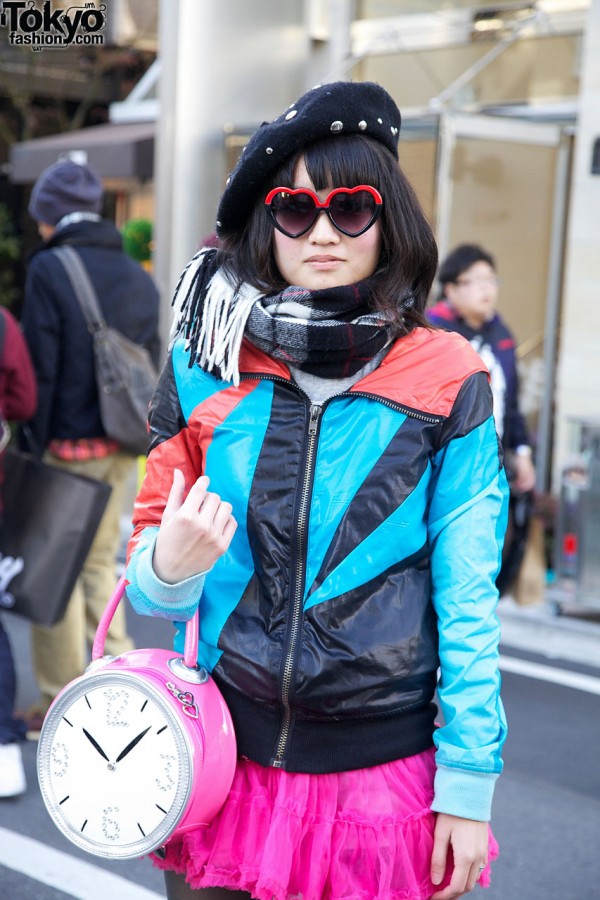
x: 351, y: 210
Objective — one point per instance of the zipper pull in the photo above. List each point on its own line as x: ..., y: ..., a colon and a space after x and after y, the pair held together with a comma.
x: 313, y: 421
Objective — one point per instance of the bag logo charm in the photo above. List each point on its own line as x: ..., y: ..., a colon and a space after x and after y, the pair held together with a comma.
x: 188, y: 705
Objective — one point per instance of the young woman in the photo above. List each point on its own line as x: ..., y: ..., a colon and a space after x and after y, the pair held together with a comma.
x: 325, y: 483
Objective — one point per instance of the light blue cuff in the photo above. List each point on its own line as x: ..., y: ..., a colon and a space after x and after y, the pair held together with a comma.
x: 151, y: 596
x: 460, y: 792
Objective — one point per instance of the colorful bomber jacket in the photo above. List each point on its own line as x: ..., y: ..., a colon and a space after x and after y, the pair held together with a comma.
x: 369, y: 537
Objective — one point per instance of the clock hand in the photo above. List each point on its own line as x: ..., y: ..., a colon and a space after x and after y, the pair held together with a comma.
x: 95, y: 744
x: 132, y: 744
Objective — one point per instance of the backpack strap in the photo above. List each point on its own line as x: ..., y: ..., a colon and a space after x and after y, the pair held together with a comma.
x: 82, y: 286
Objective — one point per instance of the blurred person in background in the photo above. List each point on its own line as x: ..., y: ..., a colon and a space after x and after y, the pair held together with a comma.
x: 66, y: 202
x: 469, y: 286
x: 18, y: 397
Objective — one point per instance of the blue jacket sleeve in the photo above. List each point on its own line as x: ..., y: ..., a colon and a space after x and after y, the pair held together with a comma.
x: 467, y: 521
x: 150, y: 596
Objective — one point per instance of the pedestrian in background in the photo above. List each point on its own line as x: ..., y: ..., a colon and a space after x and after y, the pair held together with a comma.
x: 66, y: 202
x: 469, y: 295
x: 324, y: 483
x: 18, y: 397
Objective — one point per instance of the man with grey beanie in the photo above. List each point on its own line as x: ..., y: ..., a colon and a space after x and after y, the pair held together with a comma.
x: 66, y: 188
x: 66, y: 202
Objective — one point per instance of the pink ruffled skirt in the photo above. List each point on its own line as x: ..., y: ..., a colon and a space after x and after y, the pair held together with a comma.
x: 360, y: 835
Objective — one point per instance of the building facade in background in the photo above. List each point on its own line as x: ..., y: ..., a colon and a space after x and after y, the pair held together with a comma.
x: 498, y: 135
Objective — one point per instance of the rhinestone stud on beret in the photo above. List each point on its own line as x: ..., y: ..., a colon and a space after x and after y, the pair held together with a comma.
x: 336, y: 126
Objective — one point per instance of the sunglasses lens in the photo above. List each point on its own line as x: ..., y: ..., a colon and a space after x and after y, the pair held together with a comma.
x: 294, y: 213
x: 352, y: 213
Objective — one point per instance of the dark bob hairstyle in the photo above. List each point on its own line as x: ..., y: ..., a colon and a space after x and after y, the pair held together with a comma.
x: 408, y: 261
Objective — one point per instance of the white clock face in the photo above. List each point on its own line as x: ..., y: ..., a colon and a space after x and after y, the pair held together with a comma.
x: 114, y: 766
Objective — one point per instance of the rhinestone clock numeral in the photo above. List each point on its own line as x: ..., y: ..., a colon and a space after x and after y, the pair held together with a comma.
x: 166, y: 783
x: 116, y: 704
x: 110, y: 826
x: 60, y: 758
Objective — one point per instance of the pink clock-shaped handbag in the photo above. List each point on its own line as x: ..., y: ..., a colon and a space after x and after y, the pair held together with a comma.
x: 138, y: 750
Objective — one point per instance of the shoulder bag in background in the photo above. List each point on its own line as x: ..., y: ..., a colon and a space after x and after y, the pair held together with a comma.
x: 125, y: 373
x: 50, y: 517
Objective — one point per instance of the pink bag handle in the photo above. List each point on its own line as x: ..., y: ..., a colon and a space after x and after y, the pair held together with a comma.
x: 190, y: 650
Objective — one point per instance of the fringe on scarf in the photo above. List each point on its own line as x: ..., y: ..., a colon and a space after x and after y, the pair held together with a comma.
x: 211, y: 315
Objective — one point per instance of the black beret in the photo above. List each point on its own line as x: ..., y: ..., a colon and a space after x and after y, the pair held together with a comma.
x: 327, y: 111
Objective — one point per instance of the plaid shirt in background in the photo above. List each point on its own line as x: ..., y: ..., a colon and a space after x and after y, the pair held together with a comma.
x: 83, y: 448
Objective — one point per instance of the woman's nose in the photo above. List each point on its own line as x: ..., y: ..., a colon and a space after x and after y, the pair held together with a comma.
x: 324, y: 231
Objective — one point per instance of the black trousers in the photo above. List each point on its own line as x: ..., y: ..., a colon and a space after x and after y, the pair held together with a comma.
x: 177, y: 889
x: 11, y: 729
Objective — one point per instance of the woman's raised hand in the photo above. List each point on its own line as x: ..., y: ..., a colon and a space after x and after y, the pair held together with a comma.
x: 194, y: 532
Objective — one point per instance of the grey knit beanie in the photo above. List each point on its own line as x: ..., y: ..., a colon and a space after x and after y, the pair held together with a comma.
x: 63, y: 188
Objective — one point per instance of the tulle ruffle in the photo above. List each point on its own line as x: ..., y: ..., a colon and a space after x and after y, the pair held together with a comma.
x: 360, y: 835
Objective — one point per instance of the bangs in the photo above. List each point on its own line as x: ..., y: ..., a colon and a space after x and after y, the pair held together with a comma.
x: 349, y: 162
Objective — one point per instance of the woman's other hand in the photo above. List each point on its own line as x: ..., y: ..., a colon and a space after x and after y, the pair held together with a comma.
x: 469, y: 842
x: 194, y: 532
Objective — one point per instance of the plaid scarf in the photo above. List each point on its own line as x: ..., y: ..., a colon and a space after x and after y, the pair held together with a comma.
x: 331, y: 333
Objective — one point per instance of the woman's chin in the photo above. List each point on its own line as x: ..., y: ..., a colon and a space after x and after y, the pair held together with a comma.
x: 320, y: 280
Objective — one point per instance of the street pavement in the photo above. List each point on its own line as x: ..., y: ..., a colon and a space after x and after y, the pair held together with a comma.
x: 547, y: 805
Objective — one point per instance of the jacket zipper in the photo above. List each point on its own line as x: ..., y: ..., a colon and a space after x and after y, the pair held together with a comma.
x: 315, y: 411
x: 422, y: 417
x: 300, y: 573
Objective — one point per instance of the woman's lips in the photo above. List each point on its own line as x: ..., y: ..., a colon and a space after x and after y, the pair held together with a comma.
x: 324, y: 262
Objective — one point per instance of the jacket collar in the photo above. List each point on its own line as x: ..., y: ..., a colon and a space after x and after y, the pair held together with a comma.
x: 423, y: 371
x: 82, y: 234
